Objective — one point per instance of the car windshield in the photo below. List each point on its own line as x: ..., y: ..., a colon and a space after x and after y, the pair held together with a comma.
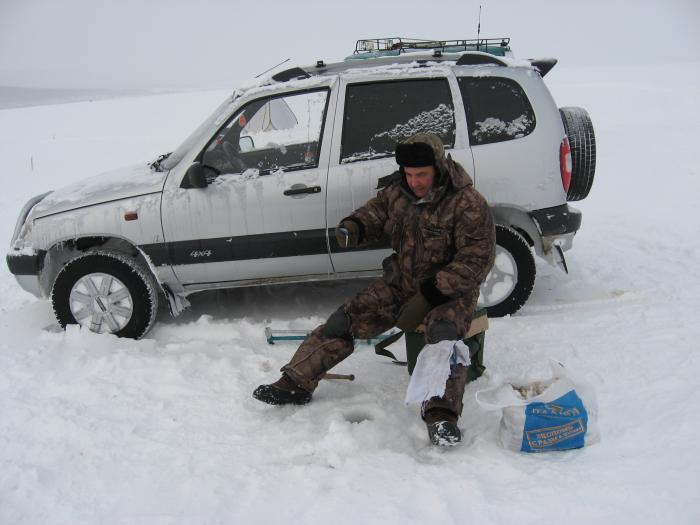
x: 206, y: 128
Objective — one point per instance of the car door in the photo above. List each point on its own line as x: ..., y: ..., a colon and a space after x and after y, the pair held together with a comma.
x: 263, y: 214
x: 373, y: 117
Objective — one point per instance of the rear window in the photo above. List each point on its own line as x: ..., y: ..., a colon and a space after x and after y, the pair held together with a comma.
x: 497, y: 110
x: 381, y: 114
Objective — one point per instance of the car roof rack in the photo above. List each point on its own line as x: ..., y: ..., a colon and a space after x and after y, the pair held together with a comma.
x: 394, y: 46
x: 385, y: 51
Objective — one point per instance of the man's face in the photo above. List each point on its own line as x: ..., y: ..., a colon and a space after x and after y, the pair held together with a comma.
x: 420, y: 179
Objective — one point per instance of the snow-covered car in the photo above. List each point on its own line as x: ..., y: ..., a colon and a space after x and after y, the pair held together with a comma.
x: 253, y: 195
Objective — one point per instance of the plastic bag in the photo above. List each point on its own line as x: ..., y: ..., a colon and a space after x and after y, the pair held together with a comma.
x: 538, y: 416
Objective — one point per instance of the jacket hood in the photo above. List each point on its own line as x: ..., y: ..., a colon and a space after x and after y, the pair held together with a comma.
x: 110, y: 186
x: 457, y: 174
x: 447, y: 169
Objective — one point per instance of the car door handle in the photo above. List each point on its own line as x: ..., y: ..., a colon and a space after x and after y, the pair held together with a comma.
x: 298, y: 189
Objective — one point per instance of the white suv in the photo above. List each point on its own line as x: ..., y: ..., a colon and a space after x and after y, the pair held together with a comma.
x: 253, y: 195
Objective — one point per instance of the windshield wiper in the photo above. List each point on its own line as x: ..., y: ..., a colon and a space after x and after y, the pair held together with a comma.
x: 155, y: 165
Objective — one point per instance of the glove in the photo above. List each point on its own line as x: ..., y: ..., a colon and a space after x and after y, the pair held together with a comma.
x: 347, y: 233
x: 430, y: 291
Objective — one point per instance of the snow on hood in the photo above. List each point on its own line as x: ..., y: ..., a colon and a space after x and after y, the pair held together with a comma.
x: 112, y: 185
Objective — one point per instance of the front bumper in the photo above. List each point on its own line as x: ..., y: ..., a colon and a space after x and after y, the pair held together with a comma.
x: 26, y: 268
x: 23, y: 264
x: 31, y: 284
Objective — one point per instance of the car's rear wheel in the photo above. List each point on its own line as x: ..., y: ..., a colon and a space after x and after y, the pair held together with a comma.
x: 508, y: 285
x: 579, y: 131
x: 106, y: 292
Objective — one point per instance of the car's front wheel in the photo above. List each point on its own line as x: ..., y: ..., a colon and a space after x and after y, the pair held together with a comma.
x: 509, y: 283
x: 106, y: 292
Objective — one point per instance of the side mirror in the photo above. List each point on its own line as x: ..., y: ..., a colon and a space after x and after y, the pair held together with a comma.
x: 196, y: 176
x: 246, y: 144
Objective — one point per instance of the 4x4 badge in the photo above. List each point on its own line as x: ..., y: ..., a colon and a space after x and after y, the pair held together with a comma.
x: 200, y: 253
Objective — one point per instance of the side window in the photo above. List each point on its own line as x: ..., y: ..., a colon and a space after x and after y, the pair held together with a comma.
x: 381, y: 114
x: 497, y: 109
x: 270, y: 134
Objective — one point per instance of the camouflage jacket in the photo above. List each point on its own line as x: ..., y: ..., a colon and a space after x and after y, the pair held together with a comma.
x: 448, y: 234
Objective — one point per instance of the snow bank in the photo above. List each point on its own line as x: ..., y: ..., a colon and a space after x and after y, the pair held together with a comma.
x: 96, y: 429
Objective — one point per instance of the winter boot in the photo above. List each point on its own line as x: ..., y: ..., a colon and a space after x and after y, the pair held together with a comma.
x: 442, y: 427
x: 282, y: 392
x: 440, y: 413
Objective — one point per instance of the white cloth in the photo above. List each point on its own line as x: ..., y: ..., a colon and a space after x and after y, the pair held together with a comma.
x: 432, y: 370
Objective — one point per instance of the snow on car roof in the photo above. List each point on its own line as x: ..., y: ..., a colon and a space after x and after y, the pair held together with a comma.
x: 403, y: 63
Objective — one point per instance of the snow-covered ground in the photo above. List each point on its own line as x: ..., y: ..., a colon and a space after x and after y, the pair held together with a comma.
x: 95, y: 429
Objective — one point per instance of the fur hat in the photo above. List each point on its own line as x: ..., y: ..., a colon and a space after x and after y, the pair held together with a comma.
x: 414, y: 155
x: 422, y: 149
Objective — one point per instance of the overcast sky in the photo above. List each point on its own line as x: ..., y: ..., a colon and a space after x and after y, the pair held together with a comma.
x: 219, y: 43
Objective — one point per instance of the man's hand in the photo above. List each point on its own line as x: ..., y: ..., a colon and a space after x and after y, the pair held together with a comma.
x: 348, y: 233
x: 413, y: 312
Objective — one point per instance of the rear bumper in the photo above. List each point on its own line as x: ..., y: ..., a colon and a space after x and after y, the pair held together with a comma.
x: 557, y: 227
x: 556, y: 221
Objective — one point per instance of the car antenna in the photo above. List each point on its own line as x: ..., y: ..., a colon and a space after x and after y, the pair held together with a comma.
x: 478, y: 29
x: 273, y: 67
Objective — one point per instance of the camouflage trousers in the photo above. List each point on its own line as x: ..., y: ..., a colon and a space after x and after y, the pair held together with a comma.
x: 373, y: 311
